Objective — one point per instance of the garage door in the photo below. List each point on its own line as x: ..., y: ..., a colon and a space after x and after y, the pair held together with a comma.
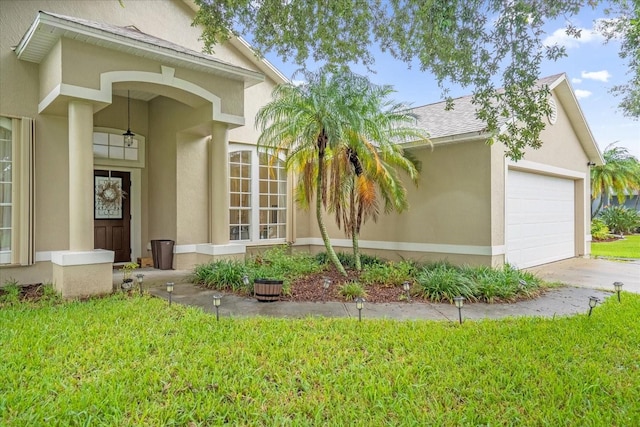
x: 540, y: 219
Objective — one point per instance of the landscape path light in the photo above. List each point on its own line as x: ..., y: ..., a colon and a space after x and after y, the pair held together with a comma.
x: 245, y: 281
x: 139, y: 278
x: 325, y: 286
x: 618, y: 288
x: 593, y: 301
x: 459, y: 301
x: 406, y: 286
x: 522, y: 284
x: 359, y: 306
x: 216, y: 303
x: 170, y: 290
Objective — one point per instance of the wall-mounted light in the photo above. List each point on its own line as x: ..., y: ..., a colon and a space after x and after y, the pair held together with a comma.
x: 128, y: 135
x: 590, y: 164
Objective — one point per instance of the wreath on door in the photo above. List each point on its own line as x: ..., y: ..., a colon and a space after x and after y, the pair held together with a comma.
x: 110, y: 194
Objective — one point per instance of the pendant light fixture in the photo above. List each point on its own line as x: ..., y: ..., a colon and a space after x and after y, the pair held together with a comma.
x: 128, y: 135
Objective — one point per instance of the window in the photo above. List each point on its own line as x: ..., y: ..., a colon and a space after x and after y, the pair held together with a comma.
x: 6, y: 181
x: 240, y: 197
x: 258, y: 207
x: 111, y: 146
x: 273, y: 196
x: 17, y: 137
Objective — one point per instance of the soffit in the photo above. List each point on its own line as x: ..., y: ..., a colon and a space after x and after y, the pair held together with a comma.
x: 48, y: 28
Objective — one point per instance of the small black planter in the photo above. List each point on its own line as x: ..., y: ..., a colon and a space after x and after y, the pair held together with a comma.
x: 267, y: 290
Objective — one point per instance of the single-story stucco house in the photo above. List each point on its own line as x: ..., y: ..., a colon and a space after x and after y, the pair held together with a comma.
x: 115, y: 130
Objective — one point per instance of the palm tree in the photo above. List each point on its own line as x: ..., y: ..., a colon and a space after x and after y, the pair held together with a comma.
x: 366, y: 168
x: 619, y: 175
x: 305, y: 122
x: 316, y: 123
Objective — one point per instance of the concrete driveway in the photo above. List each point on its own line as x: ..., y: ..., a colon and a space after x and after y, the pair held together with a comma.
x: 592, y: 273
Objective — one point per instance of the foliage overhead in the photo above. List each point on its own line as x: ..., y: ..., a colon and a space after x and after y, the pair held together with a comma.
x: 623, y: 23
x: 483, y: 44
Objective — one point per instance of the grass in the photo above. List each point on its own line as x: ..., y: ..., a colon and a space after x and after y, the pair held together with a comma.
x: 629, y: 247
x: 136, y: 361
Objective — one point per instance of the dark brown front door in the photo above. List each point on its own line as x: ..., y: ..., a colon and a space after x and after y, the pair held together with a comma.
x: 112, y: 213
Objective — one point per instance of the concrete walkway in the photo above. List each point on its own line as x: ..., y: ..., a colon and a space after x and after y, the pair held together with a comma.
x: 589, y: 277
x: 592, y: 273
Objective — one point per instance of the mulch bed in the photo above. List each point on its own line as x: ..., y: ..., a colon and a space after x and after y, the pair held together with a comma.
x: 310, y: 288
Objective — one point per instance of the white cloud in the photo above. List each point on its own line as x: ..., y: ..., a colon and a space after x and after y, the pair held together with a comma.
x: 576, y: 80
x: 561, y: 38
x: 601, y: 76
x: 580, y: 93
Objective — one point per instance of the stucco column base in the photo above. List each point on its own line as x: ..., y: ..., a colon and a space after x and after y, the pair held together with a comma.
x: 83, y: 273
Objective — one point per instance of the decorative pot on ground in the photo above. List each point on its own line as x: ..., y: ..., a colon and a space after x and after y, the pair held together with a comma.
x: 267, y: 290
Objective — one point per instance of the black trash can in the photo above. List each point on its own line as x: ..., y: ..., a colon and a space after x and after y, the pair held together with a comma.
x: 162, y: 252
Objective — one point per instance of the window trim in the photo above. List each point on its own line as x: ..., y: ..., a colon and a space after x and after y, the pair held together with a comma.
x: 22, y: 250
x: 254, y: 230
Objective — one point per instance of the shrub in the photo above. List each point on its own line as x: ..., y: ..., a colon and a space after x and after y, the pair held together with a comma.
x: 276, y: 263
x: 390, y: 273
x: 620, y: 220
x: 442, y: 281
x: 352, y: 290
x: 599, y: 230
x: 501, y: 284
x: 348, y: 260
x: 279, y: 263
x: 222, y: 275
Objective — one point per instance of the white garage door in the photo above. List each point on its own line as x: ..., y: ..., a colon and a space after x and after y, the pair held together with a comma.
x: 540, y: 219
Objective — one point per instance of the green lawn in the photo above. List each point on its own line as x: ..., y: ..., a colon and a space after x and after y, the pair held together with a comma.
x: 135, y: 361
x: 629, y: 247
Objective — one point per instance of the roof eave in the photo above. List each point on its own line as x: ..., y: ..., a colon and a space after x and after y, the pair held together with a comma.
x: 43, y: 19
x: 567, y: 97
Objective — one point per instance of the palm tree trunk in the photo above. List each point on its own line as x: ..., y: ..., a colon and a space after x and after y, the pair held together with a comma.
x: 354, y: 227
x: 356, y: 250
x: 323, y: 229
x: 601, y: 202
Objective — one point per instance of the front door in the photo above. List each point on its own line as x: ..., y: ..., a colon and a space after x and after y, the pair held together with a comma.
x: 112, y: 213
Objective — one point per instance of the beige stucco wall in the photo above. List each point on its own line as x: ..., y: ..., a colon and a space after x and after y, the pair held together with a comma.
x: 450, y: 205
x: 175, y: 170
x: 449, y: 211
x: 192, y: 189
x: 255, y: 97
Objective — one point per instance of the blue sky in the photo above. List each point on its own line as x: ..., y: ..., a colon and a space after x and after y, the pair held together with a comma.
x: 591, y: 66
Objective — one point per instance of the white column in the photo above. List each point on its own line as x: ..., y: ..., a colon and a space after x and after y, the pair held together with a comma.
x: 219, y: 185
x: 80, y: 176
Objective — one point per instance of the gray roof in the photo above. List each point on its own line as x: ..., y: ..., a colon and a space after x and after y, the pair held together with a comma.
x: 135, y: 34
x: 462, y: 119
x: 49, y: 27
